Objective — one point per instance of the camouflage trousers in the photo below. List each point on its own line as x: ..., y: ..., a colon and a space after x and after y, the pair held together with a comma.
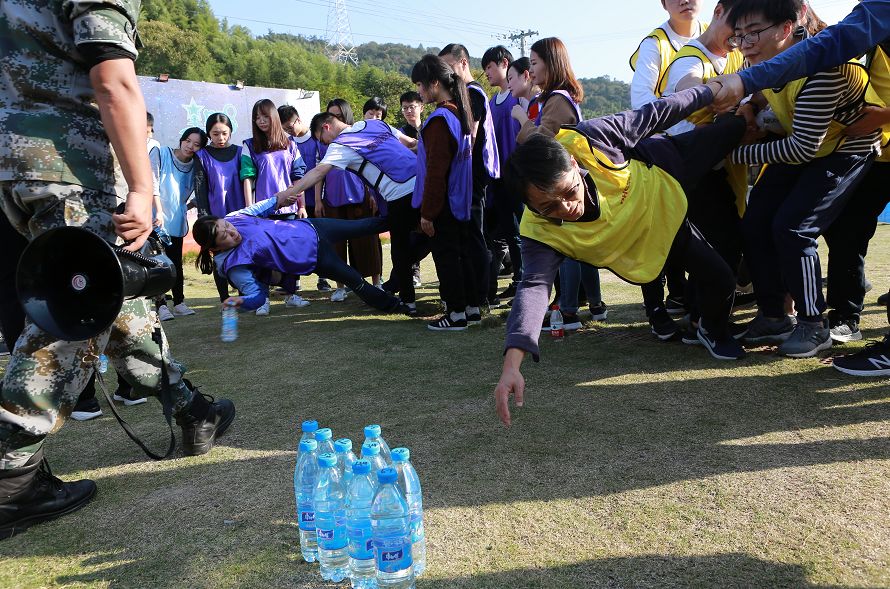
x: 45, y: 376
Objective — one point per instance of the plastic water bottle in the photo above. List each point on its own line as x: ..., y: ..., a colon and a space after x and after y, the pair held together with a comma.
x: 371, y: 453
x: 345, y: 459
x: 163, y: 235
x: 392, y: 534
x: 373, y: 434
x: 103, y: 363
x: 409, y: 484
x: 229, y: 323
x: 305, y: 479
x: 330, y: 520
x: 359, y: 498
x: 308, y: 429
x: 557, y: 330
x: 325, y: 442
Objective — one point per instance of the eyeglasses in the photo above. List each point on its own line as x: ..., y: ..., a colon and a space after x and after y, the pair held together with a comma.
x: 411, y: 107
x: 749, y: 38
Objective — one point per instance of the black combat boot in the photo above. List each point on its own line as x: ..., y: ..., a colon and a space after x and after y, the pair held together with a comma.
x: 204, y: 421
x: 31, y: 494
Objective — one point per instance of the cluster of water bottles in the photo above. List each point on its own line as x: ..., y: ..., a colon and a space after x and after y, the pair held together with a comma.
x: 361, y: 519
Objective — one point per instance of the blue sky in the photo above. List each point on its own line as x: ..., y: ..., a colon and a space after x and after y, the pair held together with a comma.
x: 600, y: 35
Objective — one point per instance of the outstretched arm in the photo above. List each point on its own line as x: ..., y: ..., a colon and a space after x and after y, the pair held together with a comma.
x: 314, y: 176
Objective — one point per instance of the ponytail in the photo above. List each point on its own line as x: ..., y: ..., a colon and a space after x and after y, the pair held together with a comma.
x: 462, y: 99
x: 434, y: 69
x: 204, y: 233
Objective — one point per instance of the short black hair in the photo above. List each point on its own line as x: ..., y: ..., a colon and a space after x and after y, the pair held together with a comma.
x: 192, y: 130
x: 456, y: 50
x: 774, y: 11
x: 410, y: 96
x: 149, y: 119
x: 286, y: 112
x: 496, y: 54
x: 539, y: 162
x: 375, y: 103
x: 319, y: 120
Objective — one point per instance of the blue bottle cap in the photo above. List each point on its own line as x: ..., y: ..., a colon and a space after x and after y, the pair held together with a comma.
x: 387, y: 475
x: 323, y: 434
x: 309, y: 426
x: 327, y: 459
x: 401, y: 455
x: 343, y: 445
x: 308, y: 445
x: 361, y: 467
x: 370, y: 449
x: 372, y: 431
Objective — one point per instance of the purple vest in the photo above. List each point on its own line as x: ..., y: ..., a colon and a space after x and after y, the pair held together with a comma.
x: 308, y: 148
x: 273, y: 171
x: 376, y: 144
x: 224, y: 189
x: 490, y: 157
x: 460, y: 174
x: 506, y: 128
x: 290, y: 247
x: 340, y: 187
x: 542, y: 100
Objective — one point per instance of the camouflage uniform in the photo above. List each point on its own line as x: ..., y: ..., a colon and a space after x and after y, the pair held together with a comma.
x: 57, y: 168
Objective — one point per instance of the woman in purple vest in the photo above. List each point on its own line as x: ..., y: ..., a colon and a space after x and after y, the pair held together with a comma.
x: 561, y: 93
x: 218, y: 189
x: 443, y: 189
x: 345, y: 197
x: 245, y: 245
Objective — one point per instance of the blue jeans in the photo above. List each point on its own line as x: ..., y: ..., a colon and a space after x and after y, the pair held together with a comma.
x: 571, y: 274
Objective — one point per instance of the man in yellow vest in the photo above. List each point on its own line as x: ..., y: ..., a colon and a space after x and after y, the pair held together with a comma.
x: 608, y: 194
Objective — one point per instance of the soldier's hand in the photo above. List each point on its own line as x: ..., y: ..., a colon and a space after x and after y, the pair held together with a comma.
x: 134, y: 224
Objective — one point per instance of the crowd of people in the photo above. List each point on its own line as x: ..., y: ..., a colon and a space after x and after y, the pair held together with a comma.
x: 711, y: 192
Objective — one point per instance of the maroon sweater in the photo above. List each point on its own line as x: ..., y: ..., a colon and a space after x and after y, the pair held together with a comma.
x: 440, y: 149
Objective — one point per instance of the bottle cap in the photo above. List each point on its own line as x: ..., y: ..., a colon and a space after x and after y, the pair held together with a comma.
x: 361, y: 467
x: 401, y: 455
x: 327, y: 459
x: 387, y: 475
x: 343, y: 445
x: 309, y: 426
x: 308, y: 445
x: 372, y: 431
x: 554, y: 307
x: 323, y: 434
x: 370, y: 449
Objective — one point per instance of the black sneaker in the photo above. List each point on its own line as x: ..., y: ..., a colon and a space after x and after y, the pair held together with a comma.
x: 324, y: 285
x: 4, y: 349
x: 474, y: 318
x: 675, y: 305
x: 199, y: 433
x: 744, y: 300
x: 86, y: 409
x: 509, y: 292
x: 726, y: 348
x: 599, y: 312
x: 873, y: 360
x: 446, y: 323
x: 409, y: 310
x: 46, y: 498
x: 844, y: 330
x: 689, y: 336
x: 884, y: 299
x: 662, y: 325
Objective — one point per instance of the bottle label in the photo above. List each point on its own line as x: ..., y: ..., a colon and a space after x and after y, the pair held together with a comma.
x: 361, y: 545
x: 331, y: 531
x: 393, y: 554
x: 306, y: 516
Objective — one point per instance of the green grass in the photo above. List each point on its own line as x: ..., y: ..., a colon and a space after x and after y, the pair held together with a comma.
x: 633, y: 464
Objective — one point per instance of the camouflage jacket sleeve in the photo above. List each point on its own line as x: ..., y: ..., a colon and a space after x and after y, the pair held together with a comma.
x: 108, y: 22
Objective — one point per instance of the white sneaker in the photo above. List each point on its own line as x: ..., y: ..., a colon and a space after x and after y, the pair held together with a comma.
x: 295, y: 301
x: 128, y: 401
x: 181, y: 310
x: 164, y: 313
x: 339, y: 295
x: 263, y: 310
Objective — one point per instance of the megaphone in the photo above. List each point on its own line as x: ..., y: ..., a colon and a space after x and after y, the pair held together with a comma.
x: 72, y: 283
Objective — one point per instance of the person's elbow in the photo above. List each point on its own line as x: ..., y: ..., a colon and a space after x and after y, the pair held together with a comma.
x: 113, y: 79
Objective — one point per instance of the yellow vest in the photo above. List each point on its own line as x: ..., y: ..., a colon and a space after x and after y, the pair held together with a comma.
x: 783, y: 102
x: 665, y: 50
x: 641, y: 209
x: 879, y: 76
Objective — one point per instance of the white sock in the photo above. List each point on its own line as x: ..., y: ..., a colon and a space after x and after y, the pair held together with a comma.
x: 472, y: 310
x: 455, y: 316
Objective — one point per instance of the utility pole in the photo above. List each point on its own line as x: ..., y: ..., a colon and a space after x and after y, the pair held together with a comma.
x: 520, y: 36
x: 340, y: 47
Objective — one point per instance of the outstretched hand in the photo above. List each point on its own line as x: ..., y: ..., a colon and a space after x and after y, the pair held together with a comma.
x: 730, y: 94
x: 511, y: 383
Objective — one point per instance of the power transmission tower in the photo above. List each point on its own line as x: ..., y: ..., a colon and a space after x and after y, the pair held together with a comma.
x: 340, y: 48
x: 520, y: 36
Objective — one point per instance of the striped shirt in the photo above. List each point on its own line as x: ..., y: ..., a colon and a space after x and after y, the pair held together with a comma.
x: 825, y: 96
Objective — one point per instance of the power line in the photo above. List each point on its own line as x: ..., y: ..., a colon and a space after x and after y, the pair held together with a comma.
x: 520, y: 36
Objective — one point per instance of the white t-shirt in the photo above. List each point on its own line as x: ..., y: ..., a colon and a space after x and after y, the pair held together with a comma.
x: 346, y: 158
x: 686, y: 66
x: 642, y: 87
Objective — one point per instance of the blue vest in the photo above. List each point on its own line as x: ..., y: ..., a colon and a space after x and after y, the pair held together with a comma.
x: 460, y: 174
x: 490, y: 157
x: 376, y: 144
x: 308, y: 148
x: 175, y: 187
x: 506, y: 128
x: 340, y: 187
x: 290, y: 247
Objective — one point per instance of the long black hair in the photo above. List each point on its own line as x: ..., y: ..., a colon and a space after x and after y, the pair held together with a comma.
x: 218, y: 117
x: 539, y: 162
x: 432, y: 68
x: 345, y: 109
x: 204, y: 233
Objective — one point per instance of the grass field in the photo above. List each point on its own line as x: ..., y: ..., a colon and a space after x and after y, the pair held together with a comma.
x: 634, y: 463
